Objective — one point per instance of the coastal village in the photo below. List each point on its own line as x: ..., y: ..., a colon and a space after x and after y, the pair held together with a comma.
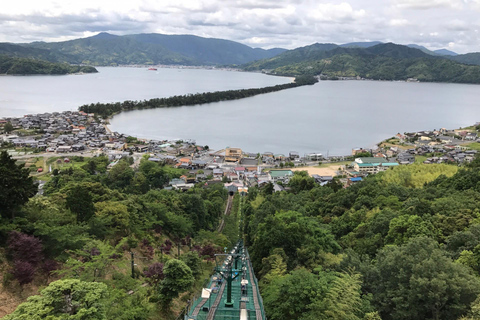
x: 64, y: 135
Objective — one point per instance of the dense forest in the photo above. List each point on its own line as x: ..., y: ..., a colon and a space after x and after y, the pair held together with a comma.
x: 26, y: 66
x: 403, y: 244
x: 106, y: 110
x: 76, y: 240
x: 379, y: 62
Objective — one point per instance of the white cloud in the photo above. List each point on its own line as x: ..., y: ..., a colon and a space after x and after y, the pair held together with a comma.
x: 329, y: 12
x: 399, y: 22
x: 428, y: 4
x: 264, y: 23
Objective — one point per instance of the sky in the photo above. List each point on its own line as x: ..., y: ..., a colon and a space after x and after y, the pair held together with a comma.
x: 435, y: 24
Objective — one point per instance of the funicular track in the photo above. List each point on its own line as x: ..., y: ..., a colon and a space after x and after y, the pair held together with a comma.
x: 213, y: 309
x: 258, y: 310
x: 233, y: 290
x: 228, y: 210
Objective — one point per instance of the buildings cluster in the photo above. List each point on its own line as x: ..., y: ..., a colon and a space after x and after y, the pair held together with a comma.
x: 58, y: 132
x: 72, y: 131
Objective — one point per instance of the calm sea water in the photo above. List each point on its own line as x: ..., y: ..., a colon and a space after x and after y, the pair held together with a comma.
x: 20, y: 95
x: 330, y: 117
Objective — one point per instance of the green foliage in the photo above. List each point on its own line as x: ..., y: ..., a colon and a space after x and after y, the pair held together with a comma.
x: 418, y: 280
x: 67, y: 299
x: 405, y: 227
x: 291, y: 296
x: 13, y: 65
x: 295, y: 234
x: 79, y: 201
x: 92, y: 262
x: 416, y: 175
x: 343, y: 300
x: 193, y: 261
x: 8, y: 127
x: 16, y: 185
x: 178, y: 278
x: 123, y: 306
x: 120, y: 175
x: 301, y: 182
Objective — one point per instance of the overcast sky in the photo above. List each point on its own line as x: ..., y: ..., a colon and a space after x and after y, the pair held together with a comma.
x: 450, y: 24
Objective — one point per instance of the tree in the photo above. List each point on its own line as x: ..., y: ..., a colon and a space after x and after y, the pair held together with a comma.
x: 93, y: 261
x: 301, y: 181
x: 154, y: 273
x: 294, y: 233
x: 290, y: 297
x: 193, y: 261
x: 177, y: 278
x: 79, y: 201
x: 26, y: 252
x: 120, y: 175
x: 343, y: 300
x: 8, y: 127
x: 16, y: 187
x: 24, y: 247
x: 404, y: 227
x: 419, y: 281
x: 68, y: 299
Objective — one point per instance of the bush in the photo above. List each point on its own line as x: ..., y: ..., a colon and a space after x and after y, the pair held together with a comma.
x: 154, y: 273
x: 23, y: 271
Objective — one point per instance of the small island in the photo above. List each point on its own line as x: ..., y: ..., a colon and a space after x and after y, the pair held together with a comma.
x: 27, y: 66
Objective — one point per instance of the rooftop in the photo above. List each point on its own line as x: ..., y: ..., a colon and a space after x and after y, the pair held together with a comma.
x: 280, y: 173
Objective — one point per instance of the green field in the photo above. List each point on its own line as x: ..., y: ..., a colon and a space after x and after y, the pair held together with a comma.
x: 473, y: 145
x: 334, y: 164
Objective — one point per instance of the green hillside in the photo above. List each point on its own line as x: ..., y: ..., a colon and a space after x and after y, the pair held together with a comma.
x: 207, y: 50
x: 24, y: 66
x: 469, y: 58
x: 107, y: 49
x: 381, y: 62
x: 22, y: 51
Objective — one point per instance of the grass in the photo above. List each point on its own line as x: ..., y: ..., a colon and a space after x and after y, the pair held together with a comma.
x: 420, y: 159
x: 334, y: 164
x: 472, y: 145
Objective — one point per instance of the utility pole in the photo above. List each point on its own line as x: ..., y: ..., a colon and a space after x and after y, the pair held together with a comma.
x: 133, y: 265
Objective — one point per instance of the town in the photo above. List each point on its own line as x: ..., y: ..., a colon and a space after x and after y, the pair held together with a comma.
x: 78, y: 134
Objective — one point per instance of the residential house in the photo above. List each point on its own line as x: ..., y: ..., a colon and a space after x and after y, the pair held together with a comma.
x: 281, y: 175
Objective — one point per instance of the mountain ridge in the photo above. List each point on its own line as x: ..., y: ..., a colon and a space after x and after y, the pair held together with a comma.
x: 151, y: 49
x: 386, y: 61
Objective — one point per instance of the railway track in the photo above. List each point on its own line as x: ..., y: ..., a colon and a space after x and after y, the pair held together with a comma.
x: 213, y: 309
x: 227, y: 212
x: 256, y: 304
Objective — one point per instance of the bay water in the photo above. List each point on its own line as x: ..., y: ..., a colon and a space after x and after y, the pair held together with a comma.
x: 330, y: 117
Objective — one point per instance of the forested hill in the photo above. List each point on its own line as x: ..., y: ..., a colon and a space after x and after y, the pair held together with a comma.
x: 468, y: 58
x: 403, y: 244
x: 380, y: 62
x: 107, y: 49
x: 25, y: 66
x: 19, y: 51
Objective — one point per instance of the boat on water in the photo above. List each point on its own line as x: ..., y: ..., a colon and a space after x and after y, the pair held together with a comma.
x: 152, y: 69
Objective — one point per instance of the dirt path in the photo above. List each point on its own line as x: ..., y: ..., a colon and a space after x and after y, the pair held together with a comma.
x: 326, y: 171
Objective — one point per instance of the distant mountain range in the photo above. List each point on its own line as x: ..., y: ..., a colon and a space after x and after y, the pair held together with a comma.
x: 106, y: 49
x: 384, y: 61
